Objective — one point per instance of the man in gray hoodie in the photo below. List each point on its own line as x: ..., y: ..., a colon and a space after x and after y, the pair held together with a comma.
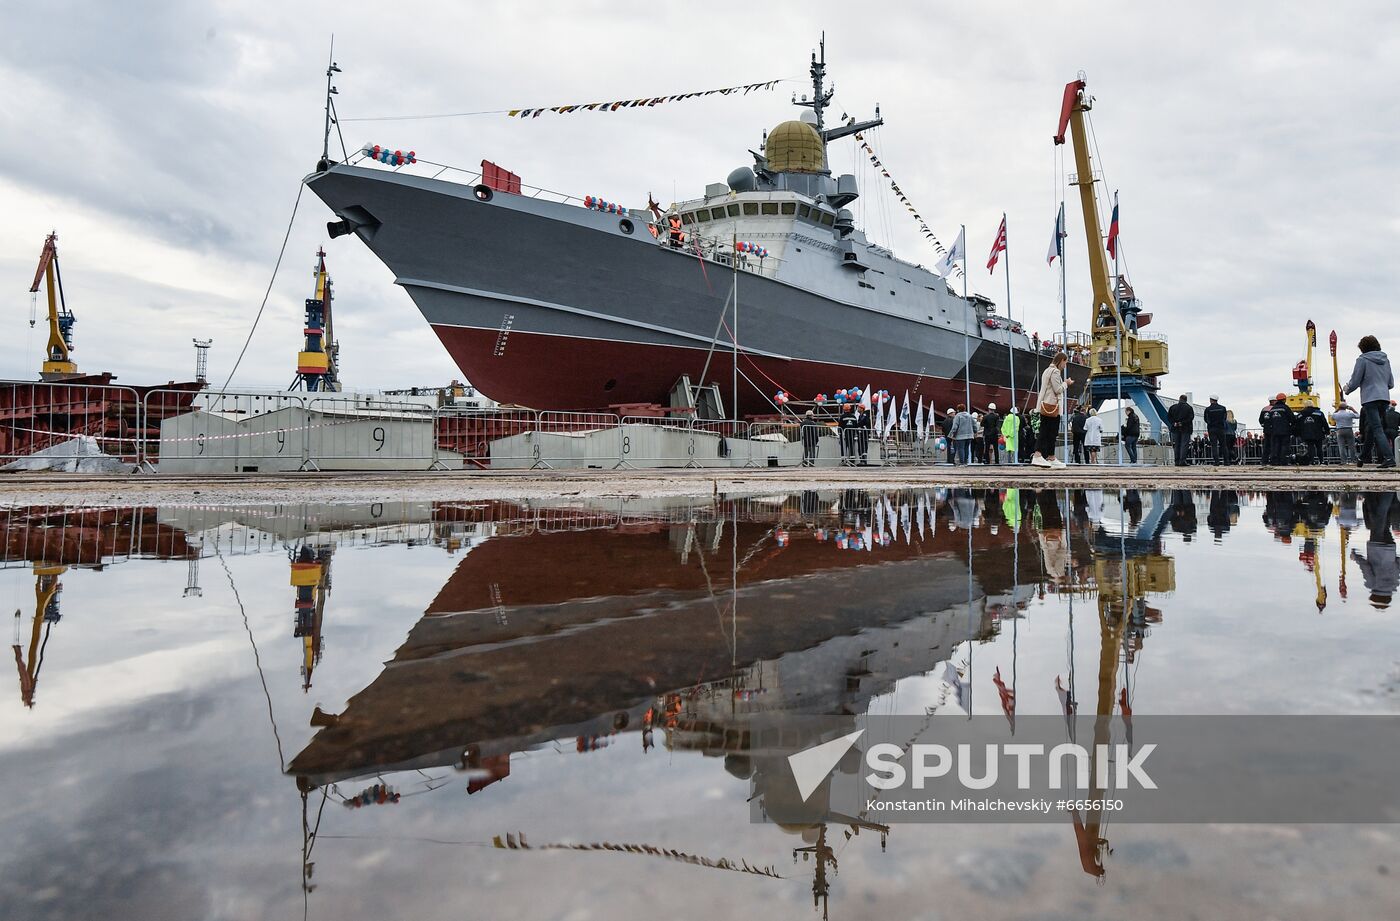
x: 1372, y: 376
x: 1380, y: 568
x: 961, y: 435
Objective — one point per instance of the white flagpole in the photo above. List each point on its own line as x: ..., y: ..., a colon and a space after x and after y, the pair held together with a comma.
x: 1064, y: 319
x: 967, y: 356
x: 734, y: 256
x: 1010, y: 349
x: 1118, y: 283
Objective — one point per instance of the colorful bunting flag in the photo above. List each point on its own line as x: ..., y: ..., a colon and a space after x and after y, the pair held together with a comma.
x: 899, y: 194
x: 613, y: 106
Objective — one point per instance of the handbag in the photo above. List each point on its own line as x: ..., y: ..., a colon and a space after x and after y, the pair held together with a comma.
x: 1049, y: 409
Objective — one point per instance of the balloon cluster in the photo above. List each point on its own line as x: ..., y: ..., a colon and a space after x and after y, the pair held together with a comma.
x: 781, y: 397
x: 850, y: 539
x: 998, y: 323
x: 879, y: 396
x: 821, y: 398
x: 390, y: 157
x: 378, y: 794
x: 752, y: 249
x: 608, y: 207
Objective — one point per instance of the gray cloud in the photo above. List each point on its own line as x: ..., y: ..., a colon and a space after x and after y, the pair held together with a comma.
x: 1251, y: 143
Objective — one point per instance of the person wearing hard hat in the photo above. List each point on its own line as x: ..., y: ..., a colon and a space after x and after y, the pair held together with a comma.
x: 1010, y: 436
x: 991, y: 431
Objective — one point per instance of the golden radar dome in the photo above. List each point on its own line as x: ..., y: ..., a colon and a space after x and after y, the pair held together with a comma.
x: 795, y: 147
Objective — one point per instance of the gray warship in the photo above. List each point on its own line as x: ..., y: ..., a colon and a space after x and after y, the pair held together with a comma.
x: 559, y: 305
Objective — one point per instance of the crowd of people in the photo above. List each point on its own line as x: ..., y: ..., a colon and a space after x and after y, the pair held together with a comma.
x: 1350, y: 436
x: 1360, y: 434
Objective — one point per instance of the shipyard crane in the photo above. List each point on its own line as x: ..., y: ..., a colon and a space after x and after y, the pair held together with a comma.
x: 311, y: 577
x: 318, y: 361
x: 1307, y: 396
x: 1117, y: 313
x: 58, y: 362
x: 1127, y: 568
x: 47, y: 588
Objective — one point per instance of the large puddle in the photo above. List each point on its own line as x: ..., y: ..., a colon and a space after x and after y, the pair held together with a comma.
x: 542, y: 710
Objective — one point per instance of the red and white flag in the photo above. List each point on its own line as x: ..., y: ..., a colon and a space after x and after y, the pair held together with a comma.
x: 998, y: 247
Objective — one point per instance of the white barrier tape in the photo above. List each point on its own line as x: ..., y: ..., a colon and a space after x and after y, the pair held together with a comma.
x: 206, y: 437
x: 72, y: 434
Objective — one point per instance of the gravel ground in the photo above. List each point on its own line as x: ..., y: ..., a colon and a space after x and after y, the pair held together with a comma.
x: 83, y: 489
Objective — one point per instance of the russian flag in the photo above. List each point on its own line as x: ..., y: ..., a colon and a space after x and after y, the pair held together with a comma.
x: 1113, y: 230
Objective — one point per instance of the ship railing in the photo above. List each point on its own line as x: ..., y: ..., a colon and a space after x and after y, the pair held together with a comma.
x: 63, y: 422
x: 463, y: 175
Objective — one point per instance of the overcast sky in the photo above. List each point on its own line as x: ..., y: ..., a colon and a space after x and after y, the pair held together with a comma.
x: 1253, y: 144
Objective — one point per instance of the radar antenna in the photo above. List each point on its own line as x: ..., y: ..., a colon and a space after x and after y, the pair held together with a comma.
x: 820, y: 98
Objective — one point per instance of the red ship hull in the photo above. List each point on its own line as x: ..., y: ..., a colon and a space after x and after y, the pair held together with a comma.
x: 562, y: 373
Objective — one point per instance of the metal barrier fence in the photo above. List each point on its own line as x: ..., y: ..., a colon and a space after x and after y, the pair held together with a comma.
x: 224, y: 432
x: 175, y: 430
x: 57, y: 419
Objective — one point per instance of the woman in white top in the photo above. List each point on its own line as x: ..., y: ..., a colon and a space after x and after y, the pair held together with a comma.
x: 1053, y: 386
x: 1093, y: 435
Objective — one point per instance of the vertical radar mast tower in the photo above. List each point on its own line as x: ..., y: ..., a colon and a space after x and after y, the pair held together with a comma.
x: 821, y: 98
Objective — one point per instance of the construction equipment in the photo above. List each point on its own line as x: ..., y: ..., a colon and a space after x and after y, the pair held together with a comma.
x: 57, y: 361
x: 46, y: 613
x: 1336, y: 373
x: 311, y: 577
x: 1117, y: 313
x: 1302, y: 373
x: 318, y: 361
x: 1128, y: 567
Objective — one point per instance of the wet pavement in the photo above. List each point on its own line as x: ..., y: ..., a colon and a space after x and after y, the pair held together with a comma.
x: 545, y: 709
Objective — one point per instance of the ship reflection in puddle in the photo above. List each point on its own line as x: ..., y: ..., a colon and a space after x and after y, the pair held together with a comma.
x: 690, y: 627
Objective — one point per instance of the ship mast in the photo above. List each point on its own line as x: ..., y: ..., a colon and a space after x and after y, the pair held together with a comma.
x: 821, y: 98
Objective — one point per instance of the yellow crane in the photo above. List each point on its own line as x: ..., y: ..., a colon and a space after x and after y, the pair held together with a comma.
x: 311, y: 577
x: 1117, y: 314
x: 57, y: 361
x: 1302, y: 372
x: 46, y: 591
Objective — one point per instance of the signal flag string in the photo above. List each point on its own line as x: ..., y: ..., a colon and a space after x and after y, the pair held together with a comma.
x: 903, y: 199
x: 611, y: 106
